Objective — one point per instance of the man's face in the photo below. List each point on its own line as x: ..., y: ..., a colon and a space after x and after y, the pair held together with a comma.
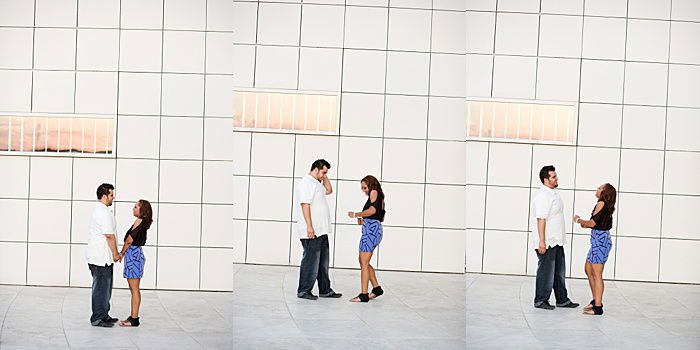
x: 553, y: 180
x: 109, y: 198
x: 322, y: 173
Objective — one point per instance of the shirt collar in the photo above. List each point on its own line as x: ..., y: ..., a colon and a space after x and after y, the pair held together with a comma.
x: 311, y: 178
x: 551, y: 190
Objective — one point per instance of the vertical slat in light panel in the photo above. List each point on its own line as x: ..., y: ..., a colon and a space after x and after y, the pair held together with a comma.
x: 493, y: 119
x: 517, y: 130
x: 94, y: 137
x: 58, y: 136
x: 306, y: 111
x: 568, y: 126
x: 9, y: 134
x: 544, y: 115
x: 107, y: 133
x: 294, y: 112
x: 481, y: 119
x: 556, y: 123
x: 255, y: 116
x: 505, y: 124
x: 21, y: 135
x: 469, y: 119
x: 82, y: 144
x: 269, y: 98
x: 318, y: 112
x: 70, y: 137
x: 33, y: 134
x: 46, y: 135
x: 330, y: 114
x: 281, y: 111
x: 245, y: 99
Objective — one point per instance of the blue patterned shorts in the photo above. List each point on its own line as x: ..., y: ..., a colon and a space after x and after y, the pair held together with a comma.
x: 371, y: 235
x: 601, y: 244
x: 134, y: 261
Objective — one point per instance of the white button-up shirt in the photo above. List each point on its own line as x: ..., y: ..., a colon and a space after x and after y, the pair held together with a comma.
x: 547, y: 204
x: 311, y: 191
x: 102, y: 222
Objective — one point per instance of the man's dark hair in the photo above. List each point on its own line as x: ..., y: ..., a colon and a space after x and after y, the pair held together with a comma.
x: 319, y: 164
x: 544, y: 173
x: 103, y: 190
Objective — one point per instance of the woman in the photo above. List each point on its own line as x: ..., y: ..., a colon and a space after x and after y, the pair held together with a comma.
x: 134, y: 260
x: 600, y: 224
x: 371, y: 218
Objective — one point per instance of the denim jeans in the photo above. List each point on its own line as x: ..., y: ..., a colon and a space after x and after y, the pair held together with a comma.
x: 551, y: 272
x: 314, y: 266
x: 101, y: 292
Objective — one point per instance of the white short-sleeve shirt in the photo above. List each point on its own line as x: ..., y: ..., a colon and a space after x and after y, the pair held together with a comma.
x: 547, y: 204
x: 102, y: 222
x: 311, y: 191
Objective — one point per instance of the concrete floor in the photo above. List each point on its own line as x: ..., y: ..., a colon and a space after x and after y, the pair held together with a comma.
x: 59, y: 318
x: 637, y: 315
x: 417, y: 311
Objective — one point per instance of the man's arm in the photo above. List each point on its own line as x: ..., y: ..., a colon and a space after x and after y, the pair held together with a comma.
x: 327, y: 185
x: 306, y: 210
x: 541, y: 225
x: 112, y: 243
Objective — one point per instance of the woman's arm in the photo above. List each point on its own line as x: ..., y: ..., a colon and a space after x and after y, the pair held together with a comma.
x: 589, y: 223
x: 370, y: 211
x: 127, y: 244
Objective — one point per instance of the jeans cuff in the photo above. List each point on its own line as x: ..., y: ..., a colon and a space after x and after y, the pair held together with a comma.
x: 326, y: 294
x: 564, y: 303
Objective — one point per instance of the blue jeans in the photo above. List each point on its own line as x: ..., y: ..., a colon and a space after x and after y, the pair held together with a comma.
x: 101, y: 292
x: 551, y: 272
x: 314, y: 266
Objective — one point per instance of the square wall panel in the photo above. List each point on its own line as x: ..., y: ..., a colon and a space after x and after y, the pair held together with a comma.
x: 366, y: 27
x: 516, y: 34
x: 88, y: 174
x: 680, y: 167
x: 558, y: 79
x: 647, y: 40
x: 96, y: 92
x: 217, y: 186
x: 604, y: 38
x: 320, y: 69
x: 240, y: 197
x: 138, y: 137
x: 684, y: 86
x: 562, y: 157
x: 270, y: 199
x: 139, y: 93
x: 481, y: 5
x: 636, y: 162
x: 13, y: 254
x: 98, y: 49
x: 514, y: 77
x: 611, y: 8
x: 532, y: 6
x: 446, y: 118
x: 364, y: 71
x: 219, y: 13
x: 400, y: 249
x: 445, y: 206
x: 15, y: 183
x: 80, y: 275
x: 351, y: 167
x: 443, y: 250
x: 407, y: 73
x: 272, y: 154
x: 47, y: 264
x: 507, y: 208
x: 637, y: 259
x: 649, y: 9
x: 447, y: 75
x: 681, y: 124
x: 560, y: 36
x: 504, y: 252
x: 136, y: 179
x: 476, y: 206
x: 309, y: 148
x: 183, y: 51
x: 217, y: 95
x: 684, y: 48
x: 631, y: 207
x: 241, y: 152
x: 679, y: 217
x: 217, y: 226
x: 183, y: 95
x: 13, y: 219
x: 16, y: 94
x: 244, y: 69
x: 406, y: 116
x: 218, y: 139
x: 54, y: 48
x: 480, y: 30
x: 601, y: 81
x: 179, y: 224
x: 276, y: 67
x: 322, y: 26
x: 140, y: 50
x: 81, y: 214
x: 181, y: 15
x: 279, y: 24
x: 240, y: 231
x: 53, y: 92
x: 96, y: 15
x: 403, y: 204
x: 181, y: 138
x: 268, y: 242
x: 591, y: 116
x: 477, y: 161
x: 349, y: 198
x: 361, y: 114
x: 142, y: 14
x: 216, y: 270
x: 478, y: 76
x: 243, y: 20
x: 18, y: 14
x: 509, y: 164
x: 347, y: 238
x: 643, y: 127
x: 446, y: 162
x: 409, y: 29
x: 180, y: 181
x: 395, y: 166
x: 574, y: 7
x: 178, y: 268
x: 596, y: 166
x: 448, y: 32
x: 474, y: 245
x: 685, y: 10
x: 645, y: 83
x: 50, y: 178
x: 676, y: 258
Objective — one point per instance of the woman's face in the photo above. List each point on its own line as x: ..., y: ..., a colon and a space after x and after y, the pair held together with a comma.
x: 599, y: 191
x: 365, y: 189
x: 137, y: 209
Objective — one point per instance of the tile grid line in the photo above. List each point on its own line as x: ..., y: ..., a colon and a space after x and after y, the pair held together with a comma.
x: 29, y: 160
x: 204, y: 104
x: 384, y: 101
x: 160, y: 128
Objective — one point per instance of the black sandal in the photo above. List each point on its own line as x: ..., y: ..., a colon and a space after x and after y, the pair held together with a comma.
x: 597, y: 310
x: 377, y: 291
x: 133, y: 322
x: 591, y: 303
x: 364, y: 297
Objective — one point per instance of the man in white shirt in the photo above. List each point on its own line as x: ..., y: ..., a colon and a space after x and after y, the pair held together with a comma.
x: 101, y: 254
x: 313, y: 227
x: 549, y: 238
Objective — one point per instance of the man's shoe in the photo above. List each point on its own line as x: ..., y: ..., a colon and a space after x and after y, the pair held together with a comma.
x: 104, y: 324
x: 545, y: 305
x: 308, y: 295
x: 110, y: 319
x: 332, y: 295
x: 570, y: 305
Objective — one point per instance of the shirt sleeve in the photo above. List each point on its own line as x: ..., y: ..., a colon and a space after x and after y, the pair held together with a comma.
x: 106, y: 224
x: 306, y: 192
x: 542, y: 206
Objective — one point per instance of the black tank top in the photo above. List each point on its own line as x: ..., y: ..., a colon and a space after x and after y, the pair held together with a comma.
x: 378, y: 204
x: 138, y: 234
x: 603, y: 220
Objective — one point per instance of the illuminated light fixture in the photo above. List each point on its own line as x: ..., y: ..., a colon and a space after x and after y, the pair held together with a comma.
x: 524, y: 122
x: 56, y: 134
x: 285, y: 111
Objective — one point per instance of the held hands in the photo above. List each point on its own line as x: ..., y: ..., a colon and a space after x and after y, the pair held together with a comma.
x: 360, y: 221
x: 117, y: 257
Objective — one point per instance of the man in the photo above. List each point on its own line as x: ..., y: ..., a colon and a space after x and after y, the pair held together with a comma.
x: 549, y: 238
x: 101, y: 254
x: 313, y: 226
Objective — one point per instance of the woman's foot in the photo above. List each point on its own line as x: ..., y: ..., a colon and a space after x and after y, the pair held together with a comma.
x: 376, y: 291
x: 361, y: 298
x: 130, y: 322
x: 589, y: 306
x: 595, y: 310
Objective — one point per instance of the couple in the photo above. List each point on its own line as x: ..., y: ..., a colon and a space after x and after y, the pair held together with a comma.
x: 101, y: 254
x: 549, y: 238
x: 314, y: 225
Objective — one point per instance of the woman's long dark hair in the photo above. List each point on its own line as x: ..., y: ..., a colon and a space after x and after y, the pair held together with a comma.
x: 373, y: 184
x: 146, y: 212
x: 609, y: 195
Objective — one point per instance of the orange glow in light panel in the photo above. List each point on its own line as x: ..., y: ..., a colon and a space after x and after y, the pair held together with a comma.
x: 521, y: 122
x: 285, y: 111
x: 56, y: 134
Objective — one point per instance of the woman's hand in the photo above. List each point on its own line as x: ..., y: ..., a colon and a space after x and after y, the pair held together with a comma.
x: 360, y: 221
x: 576, y: 218
x: 351, y: 214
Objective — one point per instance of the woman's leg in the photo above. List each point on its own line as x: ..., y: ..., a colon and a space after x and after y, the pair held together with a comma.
x: 135, y: 296
x: 589, y: 273
x: 373, y: 276
x: 599, y: 287
x: 364, y: 259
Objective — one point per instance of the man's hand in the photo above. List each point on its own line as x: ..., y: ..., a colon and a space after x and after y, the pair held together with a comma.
x: 115, y: 257
x: 310, y: 232
x: 543, y: 247
x: 359, y: 221
x: 121, y: 257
